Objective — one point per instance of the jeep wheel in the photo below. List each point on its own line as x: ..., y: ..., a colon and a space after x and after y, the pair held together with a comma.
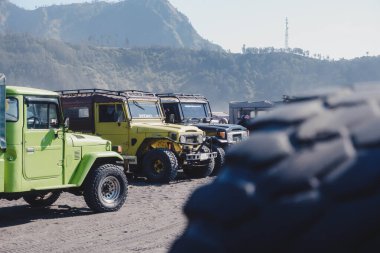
x: 201, y: 170
x: 105, y: 188
x: 306, y: 181
x: 219, y: 160
x: 160, y: 165
x: 42, y: 199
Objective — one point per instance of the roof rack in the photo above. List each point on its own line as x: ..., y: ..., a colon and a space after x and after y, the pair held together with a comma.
x: 182, y: 95
x: 121, y: 93
x: 253, y: 104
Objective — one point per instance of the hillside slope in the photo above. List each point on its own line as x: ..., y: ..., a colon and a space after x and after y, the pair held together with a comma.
x: 220, y: 76
x: 129, y: 23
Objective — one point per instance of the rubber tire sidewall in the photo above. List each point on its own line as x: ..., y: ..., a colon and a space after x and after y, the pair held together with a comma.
x: 92, y: 182
x: 219, y: 160
x: 169, y: 161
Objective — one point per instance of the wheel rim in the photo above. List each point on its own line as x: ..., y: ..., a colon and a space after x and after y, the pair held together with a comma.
x: 109, y: 189
x: 158, y: 166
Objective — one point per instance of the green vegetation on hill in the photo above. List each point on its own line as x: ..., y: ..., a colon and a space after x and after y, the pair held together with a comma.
x: 220, y: 76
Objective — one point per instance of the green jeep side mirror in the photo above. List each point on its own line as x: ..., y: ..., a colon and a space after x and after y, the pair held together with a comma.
x: 66, y: 123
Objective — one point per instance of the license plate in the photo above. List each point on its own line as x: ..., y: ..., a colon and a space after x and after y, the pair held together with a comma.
x: 237, y: 139
x: 203, y: 156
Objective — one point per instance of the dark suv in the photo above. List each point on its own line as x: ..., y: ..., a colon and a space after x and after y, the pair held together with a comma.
x: 194, y: 109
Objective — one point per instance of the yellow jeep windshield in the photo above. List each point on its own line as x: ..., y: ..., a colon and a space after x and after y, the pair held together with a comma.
x: 144, y: 109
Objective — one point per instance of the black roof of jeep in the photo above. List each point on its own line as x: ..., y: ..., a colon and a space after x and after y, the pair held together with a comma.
x: 198, y: 98
x: 120, y: 94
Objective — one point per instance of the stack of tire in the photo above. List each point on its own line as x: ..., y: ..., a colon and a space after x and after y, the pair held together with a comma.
x: 308, y: 180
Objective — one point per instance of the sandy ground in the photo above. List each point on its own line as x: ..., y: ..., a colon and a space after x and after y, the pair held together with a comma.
x: 150, y: 221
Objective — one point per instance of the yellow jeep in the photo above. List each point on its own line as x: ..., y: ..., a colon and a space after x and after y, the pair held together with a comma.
x: 134, y: 121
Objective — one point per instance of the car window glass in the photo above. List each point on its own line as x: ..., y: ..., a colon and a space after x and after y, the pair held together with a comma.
x: 42, y: 116
x: 144, y: 109
x: 53, y: 116
x: 11, y: 110
x: 108, y: 113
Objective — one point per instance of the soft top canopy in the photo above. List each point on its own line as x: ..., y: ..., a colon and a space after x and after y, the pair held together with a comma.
x: 119, y: 94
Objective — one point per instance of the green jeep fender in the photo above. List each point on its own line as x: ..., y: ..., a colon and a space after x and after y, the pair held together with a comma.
x: 89, y: 160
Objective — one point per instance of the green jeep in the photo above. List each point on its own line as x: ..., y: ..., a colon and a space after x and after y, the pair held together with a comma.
x: 40, y: 159
x: 134, y: 120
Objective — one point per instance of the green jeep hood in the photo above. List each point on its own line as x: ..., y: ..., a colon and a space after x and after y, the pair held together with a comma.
x: 80, y: 140
x: 149, y: 127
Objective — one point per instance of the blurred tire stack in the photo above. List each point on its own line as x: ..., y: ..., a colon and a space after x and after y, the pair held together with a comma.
x: 308, y: 180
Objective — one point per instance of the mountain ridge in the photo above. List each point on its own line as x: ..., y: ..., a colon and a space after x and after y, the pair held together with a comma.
x: 129, y: 23
x: 220, y: 76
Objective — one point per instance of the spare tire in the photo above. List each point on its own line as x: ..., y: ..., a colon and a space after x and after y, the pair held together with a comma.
x: 307, y: 180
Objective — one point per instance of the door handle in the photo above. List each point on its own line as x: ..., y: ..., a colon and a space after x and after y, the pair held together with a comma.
x: 30, y: 150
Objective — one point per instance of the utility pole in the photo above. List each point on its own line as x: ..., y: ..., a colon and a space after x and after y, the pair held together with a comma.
x: 286, y: 35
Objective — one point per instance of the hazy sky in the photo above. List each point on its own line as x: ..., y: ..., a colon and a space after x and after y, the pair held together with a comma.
x: 338, y: 28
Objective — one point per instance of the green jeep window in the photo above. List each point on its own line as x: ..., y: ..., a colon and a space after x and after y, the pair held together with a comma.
x: 11, y: 110
x: 42, y: 116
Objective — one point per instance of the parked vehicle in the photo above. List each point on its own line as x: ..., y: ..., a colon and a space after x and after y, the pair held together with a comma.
x: 240, y: 111
x: 40, y: 159
x: 193, y: 109
x: 134, y: 120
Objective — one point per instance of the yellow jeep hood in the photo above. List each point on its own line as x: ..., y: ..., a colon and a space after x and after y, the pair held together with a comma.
x: 164, y: 127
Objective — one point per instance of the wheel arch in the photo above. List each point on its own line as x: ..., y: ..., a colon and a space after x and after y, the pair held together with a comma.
x: 91, y: 160
x: 145, y: 145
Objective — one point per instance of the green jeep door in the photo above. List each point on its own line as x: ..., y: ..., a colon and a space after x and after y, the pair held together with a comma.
x: 43, y: 149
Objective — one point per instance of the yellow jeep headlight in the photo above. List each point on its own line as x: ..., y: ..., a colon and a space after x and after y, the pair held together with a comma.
x: 200, y: 138
x: 182, y: 138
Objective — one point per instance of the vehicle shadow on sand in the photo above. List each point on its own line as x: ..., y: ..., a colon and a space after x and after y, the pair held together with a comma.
x: 142, y: 181
x: 17, y: 215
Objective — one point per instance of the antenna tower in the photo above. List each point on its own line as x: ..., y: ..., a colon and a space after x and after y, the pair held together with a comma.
x: 286, y: 34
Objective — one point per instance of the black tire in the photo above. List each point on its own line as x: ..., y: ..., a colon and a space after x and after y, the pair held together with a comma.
x: 219, y: 160
x: 202, y: 169
x: 105, y: 188
x: 42, y: 199
x: 306, y: 181
x: 160, y: 165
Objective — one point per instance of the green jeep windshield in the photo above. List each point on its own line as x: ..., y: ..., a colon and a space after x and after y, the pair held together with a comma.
x: 195, y: 110
x: 144, y: 109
